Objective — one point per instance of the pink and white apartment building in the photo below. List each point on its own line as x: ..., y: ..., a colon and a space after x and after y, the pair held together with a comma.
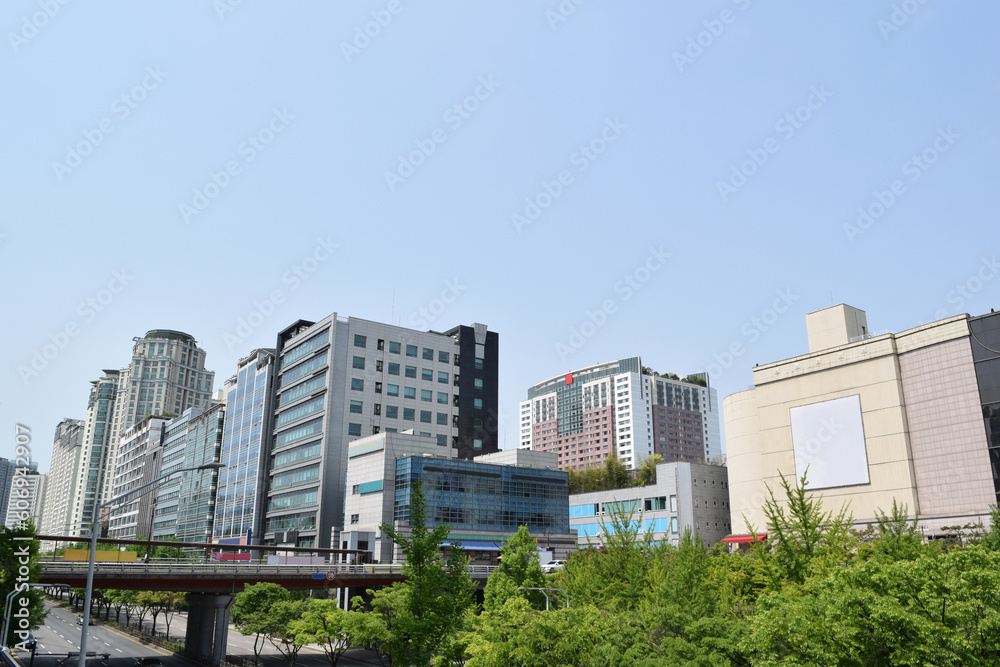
x: 625, y: 408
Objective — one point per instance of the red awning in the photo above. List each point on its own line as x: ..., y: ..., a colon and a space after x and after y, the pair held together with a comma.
x: 742, y: 539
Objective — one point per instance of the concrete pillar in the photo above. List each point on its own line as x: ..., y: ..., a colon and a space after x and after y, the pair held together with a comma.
x: 222, y: 604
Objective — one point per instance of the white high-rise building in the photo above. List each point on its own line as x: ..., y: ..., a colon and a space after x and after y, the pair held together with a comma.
x: 64, y: 506
x: 621, y: 407
x: 137, y: 463
x: 26, y: 501
x: 165, y: 377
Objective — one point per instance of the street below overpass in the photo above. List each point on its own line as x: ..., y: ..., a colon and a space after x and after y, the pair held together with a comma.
x: 60, y: 634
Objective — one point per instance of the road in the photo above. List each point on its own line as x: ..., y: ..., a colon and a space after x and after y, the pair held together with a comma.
x: 60, y: 634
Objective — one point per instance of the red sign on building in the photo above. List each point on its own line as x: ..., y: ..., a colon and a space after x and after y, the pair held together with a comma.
x: 569, y: 378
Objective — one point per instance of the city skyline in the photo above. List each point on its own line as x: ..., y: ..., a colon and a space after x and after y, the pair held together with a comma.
x: 684, y: 182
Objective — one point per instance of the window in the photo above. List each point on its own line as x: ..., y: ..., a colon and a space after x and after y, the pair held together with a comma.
x: 393, y: 347
x: 427, y: 375
x: 392, y: 390
x: 411, y: 350
x: 442, y: 439
x: 378, y: 387
x: 426, y: 395
x: 356, y: 407
x: 354, y: 518
x: 357, y: 384
x: 477, y: 443
x: 381, y: 344
x: 477, y: 403
x: 393, y: 369
x: 360, y: 341
x: 478, y: 382
x: 411, y: 372
x: 442, y: 419
x: 409, y: 414
x: 378, y: 366
x: 442, y: 377
x: 442, y: 357
x: 391, y: 412
x: 479, y: 364
x: 477, y: 422
x: 359, y: 363
x: 354, y: 490
x: 428, y: 354
x: 442, y: 398
x: 354, y: 429
x: 425, y: 416
x: 375, y: 430
x: 673, y: 504
x: 409, y: 392
x: 378, y: 408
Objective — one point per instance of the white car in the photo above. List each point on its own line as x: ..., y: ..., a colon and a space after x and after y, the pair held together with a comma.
x: 552, y: 566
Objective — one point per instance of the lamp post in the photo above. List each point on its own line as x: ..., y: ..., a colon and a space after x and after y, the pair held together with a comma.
x: 145, y: 488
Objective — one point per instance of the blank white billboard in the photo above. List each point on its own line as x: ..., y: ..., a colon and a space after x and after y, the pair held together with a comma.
x: 829, y: 438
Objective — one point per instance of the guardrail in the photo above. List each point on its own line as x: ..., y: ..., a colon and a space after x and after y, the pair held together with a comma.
x: 233, y: 567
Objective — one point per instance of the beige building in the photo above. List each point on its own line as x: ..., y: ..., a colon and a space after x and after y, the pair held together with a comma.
x: 873, y: 418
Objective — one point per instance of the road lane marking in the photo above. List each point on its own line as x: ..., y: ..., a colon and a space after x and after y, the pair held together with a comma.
x: 119, y: 650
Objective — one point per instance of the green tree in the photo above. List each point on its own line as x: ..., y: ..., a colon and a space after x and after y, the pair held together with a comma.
x: 19, y: 566
x: 326, y: 624
x: 279, y: 630
x: 991, y: 541
x: 518, y: 567
x: 647, y: 470
x: 431, y: 603
x: 805, y: 532
x: 251, y: 609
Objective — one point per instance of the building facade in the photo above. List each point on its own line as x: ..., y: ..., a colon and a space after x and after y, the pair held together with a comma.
x: 26, y: 501
x: 66, y: 499
x: 137, y: 462
x: 872, y: 419
x: 242, y: 483
x: 623, y: 408
x: 341, y: 379
x: 165, y: 377
x: 686, y: 496
x: 484, y: 500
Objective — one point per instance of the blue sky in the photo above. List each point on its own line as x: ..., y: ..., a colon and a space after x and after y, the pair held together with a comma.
x: 668, y: 171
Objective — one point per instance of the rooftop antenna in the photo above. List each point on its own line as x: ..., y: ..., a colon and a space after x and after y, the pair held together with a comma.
x: 393, y: 314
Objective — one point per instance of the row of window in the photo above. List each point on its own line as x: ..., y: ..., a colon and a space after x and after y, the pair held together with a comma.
x: 411, y: 350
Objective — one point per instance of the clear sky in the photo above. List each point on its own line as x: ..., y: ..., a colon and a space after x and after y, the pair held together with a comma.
x: 593, y: 181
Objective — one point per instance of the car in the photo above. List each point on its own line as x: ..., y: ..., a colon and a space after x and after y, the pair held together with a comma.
x: 79, y: 620
x: 148, y: 662
x: 553, y: 566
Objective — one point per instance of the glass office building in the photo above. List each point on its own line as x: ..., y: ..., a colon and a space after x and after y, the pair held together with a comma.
x: 469, y: 495
x: 241, y: 483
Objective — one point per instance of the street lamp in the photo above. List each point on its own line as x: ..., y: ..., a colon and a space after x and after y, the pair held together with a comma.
x: 149, y: 486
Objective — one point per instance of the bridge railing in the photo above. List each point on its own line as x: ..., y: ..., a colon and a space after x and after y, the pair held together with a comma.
x: 230, y: 568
